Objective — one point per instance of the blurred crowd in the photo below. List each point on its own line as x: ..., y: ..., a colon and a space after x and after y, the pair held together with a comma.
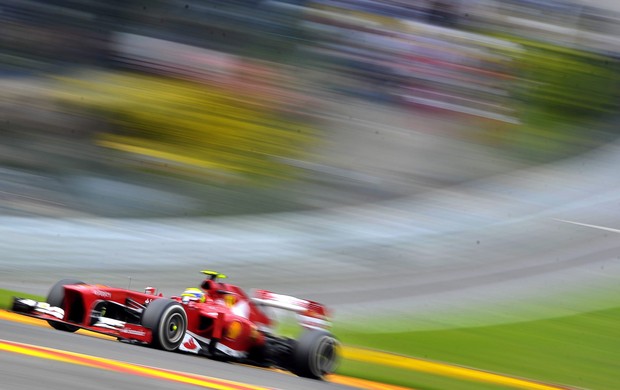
x: 449, y: 54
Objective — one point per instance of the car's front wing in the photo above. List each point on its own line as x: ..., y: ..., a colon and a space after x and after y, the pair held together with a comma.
x: 104, y: 325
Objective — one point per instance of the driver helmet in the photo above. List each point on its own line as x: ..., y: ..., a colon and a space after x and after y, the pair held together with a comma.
x: 193, y: 294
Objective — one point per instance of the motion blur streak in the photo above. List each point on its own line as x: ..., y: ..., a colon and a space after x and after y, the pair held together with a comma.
x: 444, y: 369
x: 108, y: 364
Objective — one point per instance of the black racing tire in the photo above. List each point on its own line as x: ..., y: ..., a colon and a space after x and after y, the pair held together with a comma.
x: 315, y: 354
x: 168, y: 323
x: 56, y: 297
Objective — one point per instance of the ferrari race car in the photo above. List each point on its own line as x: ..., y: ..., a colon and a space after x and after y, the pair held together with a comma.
x: 217, y: 320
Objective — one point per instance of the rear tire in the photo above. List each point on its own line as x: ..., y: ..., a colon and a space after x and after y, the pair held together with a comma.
x: 168, y: 322
x: 315, y: 354
x: 56, y: 297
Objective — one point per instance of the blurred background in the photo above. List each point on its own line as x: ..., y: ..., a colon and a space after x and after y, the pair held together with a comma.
x: 207, y: 108
x: 408, y: 163
x: 388, y: 155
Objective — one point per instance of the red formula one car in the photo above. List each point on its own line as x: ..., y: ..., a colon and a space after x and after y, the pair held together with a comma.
x: 217, y: 320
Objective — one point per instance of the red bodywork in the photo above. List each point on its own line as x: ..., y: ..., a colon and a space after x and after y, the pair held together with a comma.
x: 217, y: 318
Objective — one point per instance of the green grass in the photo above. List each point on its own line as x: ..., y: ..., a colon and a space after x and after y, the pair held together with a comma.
x: 581, y: 350
x: 409, y: 378
x: 6, y: 297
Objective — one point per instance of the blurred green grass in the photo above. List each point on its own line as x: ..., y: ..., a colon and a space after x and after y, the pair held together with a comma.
x: 6, y: 297
x: 581, y: 350
x: 566, y: 100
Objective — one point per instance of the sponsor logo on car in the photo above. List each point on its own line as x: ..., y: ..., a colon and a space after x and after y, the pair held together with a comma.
x: 102, y: 294
x: 133, y: 332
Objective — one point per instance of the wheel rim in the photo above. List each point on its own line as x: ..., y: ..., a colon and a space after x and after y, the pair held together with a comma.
x: 175, y: 328
x: 325, y: 357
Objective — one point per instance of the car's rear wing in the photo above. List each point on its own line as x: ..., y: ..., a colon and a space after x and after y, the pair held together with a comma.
x: 310, y: 314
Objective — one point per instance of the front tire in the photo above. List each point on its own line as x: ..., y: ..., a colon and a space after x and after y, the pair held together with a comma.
x: 315, y: 354
x: 168, y: 322
x: 56, y: 297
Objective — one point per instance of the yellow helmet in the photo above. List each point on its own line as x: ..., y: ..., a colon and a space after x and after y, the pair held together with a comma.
x: 193, y: 294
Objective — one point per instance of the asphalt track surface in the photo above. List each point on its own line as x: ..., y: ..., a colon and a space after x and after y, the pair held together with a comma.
x: 28, y: 372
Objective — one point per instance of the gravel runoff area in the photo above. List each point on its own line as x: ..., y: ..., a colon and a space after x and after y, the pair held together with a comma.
x: 488, y: 251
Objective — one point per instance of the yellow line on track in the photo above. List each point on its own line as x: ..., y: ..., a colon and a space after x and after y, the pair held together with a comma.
x: 443, y: 369
x: 363, y: 383
x: 125, y: 367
